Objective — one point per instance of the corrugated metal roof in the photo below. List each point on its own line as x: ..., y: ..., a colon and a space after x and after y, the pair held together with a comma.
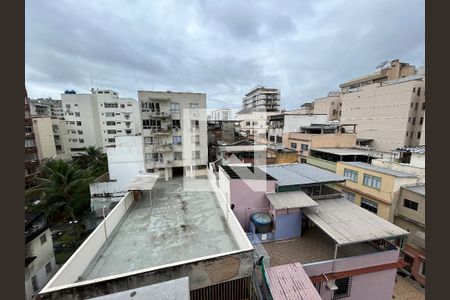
x: 300, y: 174
x: 347, y: 223
x: 371, y: 167
x: 291, y: 282
x: 346, y: 151
x: 143, y: 182
x: 295, y: 199
x: 418, y: 189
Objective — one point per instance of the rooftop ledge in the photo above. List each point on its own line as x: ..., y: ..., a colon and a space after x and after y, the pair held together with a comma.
x: 177, y: 224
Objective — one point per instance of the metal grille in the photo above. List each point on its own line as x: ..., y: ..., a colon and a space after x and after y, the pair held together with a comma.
x: 239, y: 289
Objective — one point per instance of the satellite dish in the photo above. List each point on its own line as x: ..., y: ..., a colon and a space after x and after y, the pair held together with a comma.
x: 382, y: 64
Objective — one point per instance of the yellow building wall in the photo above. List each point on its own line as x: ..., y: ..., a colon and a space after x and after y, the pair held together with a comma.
x: 387, y: 197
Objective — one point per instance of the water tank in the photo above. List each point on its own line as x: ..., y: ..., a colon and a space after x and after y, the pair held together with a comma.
x: 262, y: 222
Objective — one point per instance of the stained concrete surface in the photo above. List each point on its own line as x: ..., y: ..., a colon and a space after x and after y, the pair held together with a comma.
x: 180, y: 221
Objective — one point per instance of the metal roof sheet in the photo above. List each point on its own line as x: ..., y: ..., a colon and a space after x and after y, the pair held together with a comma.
x: 347, y: 223
x: 143, y: 182
x: 300, y: 174
x: 345, y: 151
x: 297, y: 199
x: 291, y: 282
x: 387, y: 171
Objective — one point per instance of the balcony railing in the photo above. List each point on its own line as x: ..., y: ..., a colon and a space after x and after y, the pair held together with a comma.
x: 162, y: 147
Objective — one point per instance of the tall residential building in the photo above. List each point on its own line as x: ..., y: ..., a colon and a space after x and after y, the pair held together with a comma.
x: 262, y: 97
x: 96, y: 119
x: 386, y: 71
x: 222, y: 114
x: 389, y: 115
x: 32, y: 168
x: 46, y: 107
x: 174, y: 130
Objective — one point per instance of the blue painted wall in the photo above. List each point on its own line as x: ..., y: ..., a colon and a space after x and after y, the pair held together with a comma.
x: 288, y: 226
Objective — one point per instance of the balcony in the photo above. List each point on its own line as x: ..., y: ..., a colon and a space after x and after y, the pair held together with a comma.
x: 162, y: 147
x: 157, y: 131
x: 157, y: 114
x: 160, y: 163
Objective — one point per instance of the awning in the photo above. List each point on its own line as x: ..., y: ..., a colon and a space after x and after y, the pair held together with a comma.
x: 347, y: 223
x: 144, y: 182
x: 295, y: 199
x: 291, y: 282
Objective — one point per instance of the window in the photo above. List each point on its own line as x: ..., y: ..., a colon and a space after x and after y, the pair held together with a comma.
x: 411, y: 204
x: 43, y: 239
x: 75, y: 105
x: 417, y: 105
x: 344, y: 285
x: 174, y: 107
x: 178, y: 155
x: 409, y: 260
x: 29, y: 143
x: 419, y: 134
x: 349, y: 196
x: 110, y: 123
x: 80, y: 131
x: 418, y: 91
x: 196, y: 139
x: 111, y: 105
x: 111, y: 131
x: 195, y: 154
x: 149, y: 140
x: 34, y: 283
x: 176, y: 124
x: 423, y: 106
x: 129, y: 104
x: 177, y: 140
x: 111, y: 140
x: 78, y: 123
x: 318, y: 286
x: 294, y: 145
x: 421, y: 120
x: 422, y: 268
x: 195, y: 123
x: 303, y: 160
x: 81, y: 140
x: 279, y: 139
x: 304, y: 147
x: 414, y: 89
x: 77, y: 114
x: 350, y: 174
x: 414, y: 120
x: 371, y: 206
x: 67, y: 105
x: 48, y: 267
x: 407, y: 134
x: 109, y: 114
x: 372, y: 181
x: 247, y: 123
x: 128, y: 131
x: 122, y: 105
x: 412, y: 104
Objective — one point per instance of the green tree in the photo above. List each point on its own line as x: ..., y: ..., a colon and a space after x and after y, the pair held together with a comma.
x: 94, y: 159
x: 62, y: 184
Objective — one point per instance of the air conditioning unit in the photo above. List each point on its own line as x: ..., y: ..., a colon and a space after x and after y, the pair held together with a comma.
x: 331, y: 285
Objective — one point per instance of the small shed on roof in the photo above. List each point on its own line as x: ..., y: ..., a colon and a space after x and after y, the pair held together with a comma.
x: 287, y: 200
x: 291, y: 282
x: 143, y: 182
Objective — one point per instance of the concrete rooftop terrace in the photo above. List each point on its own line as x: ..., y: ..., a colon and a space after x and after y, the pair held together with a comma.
x: 180, y: 220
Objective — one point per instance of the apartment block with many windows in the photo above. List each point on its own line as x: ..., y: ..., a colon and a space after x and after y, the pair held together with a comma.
x: 174, y: 130
x: 96, y: 119
x: 32, y: 167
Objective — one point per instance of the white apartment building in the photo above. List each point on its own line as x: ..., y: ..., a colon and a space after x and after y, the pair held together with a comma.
x: 174, y: 129
x: 222, y: 114
x: 40, y: 263
x: 46, y: 107
x: 96, y: 119
x: 282, y: 124
x: 255, y: 123
x: 262, y: 97
x: 389, y: 115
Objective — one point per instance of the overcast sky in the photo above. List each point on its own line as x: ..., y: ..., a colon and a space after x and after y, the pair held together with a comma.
x: 223, y: 48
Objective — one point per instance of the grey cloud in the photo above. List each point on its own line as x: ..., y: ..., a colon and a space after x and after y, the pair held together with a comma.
x: 305, y: 48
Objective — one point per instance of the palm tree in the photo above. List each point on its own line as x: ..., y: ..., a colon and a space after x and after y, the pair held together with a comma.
x: 94, y: 159
x: 62, y: 182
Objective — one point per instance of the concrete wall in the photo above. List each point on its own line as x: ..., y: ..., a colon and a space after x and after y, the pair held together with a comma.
x: 371, y: 286
x: 330, y: 106
x: 321, y: 163
x: 382, y: 113
x: 45, y: 142
x: 249, y: 194
x: 288, y: 225
x: 340, y: 140
x: 44, y: 255
x: 417, y: 216
x: 407, y: 168
x: 418, y: 259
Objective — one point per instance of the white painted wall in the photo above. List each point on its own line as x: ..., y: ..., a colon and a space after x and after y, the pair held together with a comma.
x: 44, y: 255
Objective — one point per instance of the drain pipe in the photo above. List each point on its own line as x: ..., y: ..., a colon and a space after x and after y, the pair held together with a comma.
x: 336, y: 246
